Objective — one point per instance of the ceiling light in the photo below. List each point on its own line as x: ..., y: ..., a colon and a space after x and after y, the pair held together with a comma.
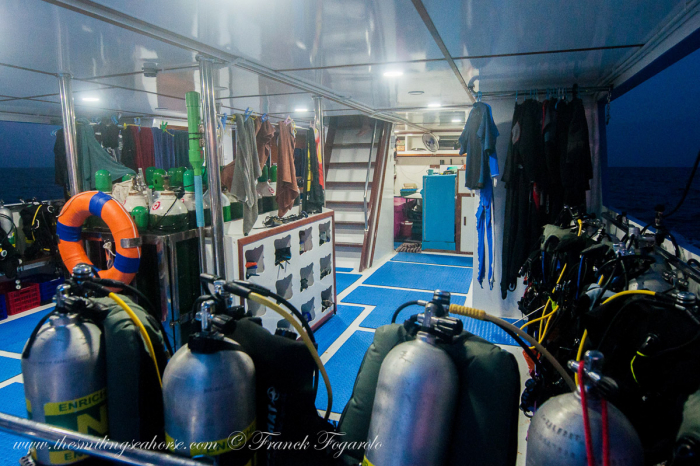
x: 301, y: 109
x: 456, y: 120
x: 90, y: 99
x: 161, y: 108
x: 415, y: 92
x: 393, y: 74
x: 434, y: 105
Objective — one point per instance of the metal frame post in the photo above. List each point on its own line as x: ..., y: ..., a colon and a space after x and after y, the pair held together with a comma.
x: 65, y: 89
x: 318, y: 109
x: 211, y: 153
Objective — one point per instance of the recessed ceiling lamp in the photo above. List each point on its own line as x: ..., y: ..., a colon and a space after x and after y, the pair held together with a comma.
x: 456, y: 120
x: 90, y: 99
x: 301, y: 110
x: 393, y: 74
x: 416, y: 92
x: 435, y: 105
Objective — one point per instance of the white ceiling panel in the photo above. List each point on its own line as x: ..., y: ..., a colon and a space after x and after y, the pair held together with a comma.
x: 49, y: 38
x: 285, y: 34
x: 476, y: 27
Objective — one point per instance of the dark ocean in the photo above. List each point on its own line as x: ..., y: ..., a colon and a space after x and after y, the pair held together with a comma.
x: 27, y: 183
x: 637, y: 190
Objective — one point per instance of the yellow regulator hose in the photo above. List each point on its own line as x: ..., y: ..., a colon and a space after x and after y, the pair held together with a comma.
x: 142, y: 330
x: 300, y: 330
x: 482, y: 315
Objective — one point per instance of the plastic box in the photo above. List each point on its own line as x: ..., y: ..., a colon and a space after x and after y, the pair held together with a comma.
x: 3, y: 307
x: 24, y: 299
x: 47, y: 286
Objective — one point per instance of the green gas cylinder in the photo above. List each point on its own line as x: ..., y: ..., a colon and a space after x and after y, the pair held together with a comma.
x: 140, y: 216
x: 188, y: 198
x: 167, y: 214
x: 273, y: 174
x: 149, y: 175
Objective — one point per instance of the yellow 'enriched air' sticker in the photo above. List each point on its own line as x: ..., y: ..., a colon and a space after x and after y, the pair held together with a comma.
x: 366, y: 462
x: 216, y: 447
x: 87, y: 415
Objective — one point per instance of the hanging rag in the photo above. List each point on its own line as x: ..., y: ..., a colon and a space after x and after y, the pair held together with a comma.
x: 179, y: 153
x: 246, y: 172
x: 263, y: 139
x: 287, y: 189
x: 158, y: 148
x: 129, y: 149
x: 93, y: 157
x: 147, y: 156
x: 315, y: 196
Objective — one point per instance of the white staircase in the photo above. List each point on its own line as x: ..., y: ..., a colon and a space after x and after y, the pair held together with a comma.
x: 345, y: 186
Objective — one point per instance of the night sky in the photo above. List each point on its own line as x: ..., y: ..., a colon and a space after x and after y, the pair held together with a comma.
x: 26, y: 144
x: 656, y: 123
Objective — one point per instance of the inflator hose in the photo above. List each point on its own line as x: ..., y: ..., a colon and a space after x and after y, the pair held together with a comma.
x: 312, y: 349
x: 417, y: 302
x: 482, y: 315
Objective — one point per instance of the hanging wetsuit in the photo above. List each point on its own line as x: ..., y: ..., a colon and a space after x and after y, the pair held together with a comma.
x: 478, y: 141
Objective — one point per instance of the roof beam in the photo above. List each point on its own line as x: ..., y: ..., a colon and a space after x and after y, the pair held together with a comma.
x: 420, y: 8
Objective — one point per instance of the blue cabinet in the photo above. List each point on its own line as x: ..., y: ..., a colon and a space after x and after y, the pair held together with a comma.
x: 439, y: 212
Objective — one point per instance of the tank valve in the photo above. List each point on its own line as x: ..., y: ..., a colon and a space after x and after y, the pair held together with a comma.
x: 204, y: 315
x: 81, y: 273
x: 592, y: 370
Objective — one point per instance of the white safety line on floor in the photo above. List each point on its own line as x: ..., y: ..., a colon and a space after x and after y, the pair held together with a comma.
x: 340, y: 341
x: 437, y: 265
x: 15, y: 379
x: 7, y: 354
x: 26, y: 313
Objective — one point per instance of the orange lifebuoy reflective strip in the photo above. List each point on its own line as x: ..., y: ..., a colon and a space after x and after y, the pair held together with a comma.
x: 70, y: 224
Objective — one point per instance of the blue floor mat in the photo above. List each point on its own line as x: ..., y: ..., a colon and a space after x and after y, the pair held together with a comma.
x: 9, y: 368
x: 386, y: 301
x: 344, y: 280
x: 335, y: 326
x: 435, y: 259
x: 488, y: 331
x: 14, y: 334
x: 422, y: 277
x: 342, y: 370
x: 344, y: 269
x: 12, y: 402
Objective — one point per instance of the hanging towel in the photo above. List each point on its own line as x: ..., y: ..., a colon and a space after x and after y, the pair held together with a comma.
x: 287, y: 189
x: 129, y: 149
x: 264, y: 141
x: 92, y: 157
x: 246, y: 172
x: 138, y: 154
x: 180, y: 150
x: 158, y: 147
x: 147, y: 155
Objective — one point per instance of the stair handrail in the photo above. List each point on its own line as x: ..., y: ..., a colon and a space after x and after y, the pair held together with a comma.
x: 369, y: 166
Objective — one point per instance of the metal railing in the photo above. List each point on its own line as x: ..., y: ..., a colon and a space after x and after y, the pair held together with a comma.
x: 369, y: 167
x: 88, y: 444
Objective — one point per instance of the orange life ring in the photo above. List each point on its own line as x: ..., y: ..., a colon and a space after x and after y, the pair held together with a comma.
x: 70, y: 224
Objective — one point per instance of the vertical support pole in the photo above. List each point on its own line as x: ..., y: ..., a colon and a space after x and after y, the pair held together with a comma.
x: 211, y: 152
x: 318, y: 109
x: 65, y: 89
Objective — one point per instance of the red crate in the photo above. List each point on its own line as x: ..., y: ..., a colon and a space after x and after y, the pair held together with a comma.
x: 22, y: 300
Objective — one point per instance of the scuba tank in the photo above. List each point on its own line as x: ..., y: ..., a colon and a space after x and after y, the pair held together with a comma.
x: 557, y: 434
x: 415, y: 400
x: 188, y: 198
x: 64, y: 371
x: 7, y: 224
x: 167, y: 214
x: 225, y: 204
x: 208, y: 395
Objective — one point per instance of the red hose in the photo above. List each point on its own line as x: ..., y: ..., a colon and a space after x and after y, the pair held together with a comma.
x: 606, y: 434
x: 586, y: 420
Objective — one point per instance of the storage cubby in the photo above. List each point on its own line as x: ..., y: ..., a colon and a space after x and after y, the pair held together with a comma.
x: 326, y: 266
x: 305, y: 242
x: 283, y: 250
x: 306, y: 277
x: 327, y: 298
x: 254, y: 262
x: 308, y: 311
x: 284, y: 287
x: 324, y: 233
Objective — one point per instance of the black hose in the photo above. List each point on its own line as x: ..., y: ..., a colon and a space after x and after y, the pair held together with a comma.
x: 525, y: 348
x: 417, y: 302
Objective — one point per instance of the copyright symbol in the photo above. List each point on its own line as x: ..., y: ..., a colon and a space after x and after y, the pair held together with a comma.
x: 237, y: 440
